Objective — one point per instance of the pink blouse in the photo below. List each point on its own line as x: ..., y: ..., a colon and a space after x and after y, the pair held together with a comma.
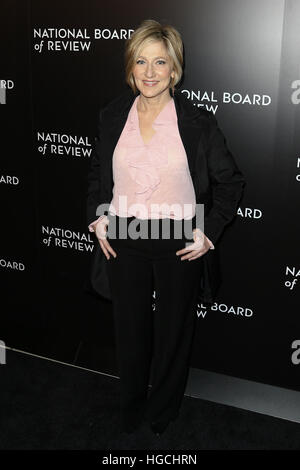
x: 152, y: 180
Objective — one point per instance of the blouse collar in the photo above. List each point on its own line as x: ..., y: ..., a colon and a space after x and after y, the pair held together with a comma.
x: 166, y: 116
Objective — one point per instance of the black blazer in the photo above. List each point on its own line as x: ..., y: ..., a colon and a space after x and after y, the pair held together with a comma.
x: 217, y: 180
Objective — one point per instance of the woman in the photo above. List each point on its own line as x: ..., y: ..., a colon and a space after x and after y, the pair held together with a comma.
x: 158, y: 159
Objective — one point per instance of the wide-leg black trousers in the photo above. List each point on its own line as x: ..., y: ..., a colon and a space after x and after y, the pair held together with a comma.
x: 147, y: 339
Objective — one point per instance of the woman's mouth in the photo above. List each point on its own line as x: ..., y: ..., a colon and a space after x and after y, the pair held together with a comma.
x: 149, y: 82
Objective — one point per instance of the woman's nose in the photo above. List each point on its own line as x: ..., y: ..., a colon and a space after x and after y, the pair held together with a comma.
x: 149, y: 71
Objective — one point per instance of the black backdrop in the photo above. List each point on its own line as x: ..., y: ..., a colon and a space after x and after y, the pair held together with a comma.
x: 242, y: 62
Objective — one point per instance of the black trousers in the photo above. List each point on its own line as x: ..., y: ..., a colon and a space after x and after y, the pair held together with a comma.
x: 152, y: 345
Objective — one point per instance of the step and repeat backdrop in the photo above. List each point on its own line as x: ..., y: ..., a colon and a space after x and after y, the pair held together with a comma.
x: 62, y: 61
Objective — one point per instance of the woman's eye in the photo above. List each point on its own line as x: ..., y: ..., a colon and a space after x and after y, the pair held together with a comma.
x: 159, y: 61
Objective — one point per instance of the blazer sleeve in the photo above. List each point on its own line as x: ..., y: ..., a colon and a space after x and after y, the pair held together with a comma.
x: 227, y: 183
x: 93, y: 198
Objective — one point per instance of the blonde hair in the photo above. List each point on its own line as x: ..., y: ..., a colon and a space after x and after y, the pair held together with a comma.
x: 147, y: 32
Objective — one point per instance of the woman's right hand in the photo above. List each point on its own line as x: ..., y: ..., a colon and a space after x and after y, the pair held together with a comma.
x: 100, y: 229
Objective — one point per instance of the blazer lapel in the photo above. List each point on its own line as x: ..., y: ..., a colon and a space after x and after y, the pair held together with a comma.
x: 117, y: 124
x: 188, y: 128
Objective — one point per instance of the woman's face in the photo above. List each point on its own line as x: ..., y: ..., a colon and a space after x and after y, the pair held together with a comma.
x: 153, y: 70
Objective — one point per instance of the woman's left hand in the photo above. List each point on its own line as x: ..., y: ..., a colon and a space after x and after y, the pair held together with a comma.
x: 200, y: 246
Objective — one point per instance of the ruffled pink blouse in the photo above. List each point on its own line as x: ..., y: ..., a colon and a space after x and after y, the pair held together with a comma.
x: 152, y: 180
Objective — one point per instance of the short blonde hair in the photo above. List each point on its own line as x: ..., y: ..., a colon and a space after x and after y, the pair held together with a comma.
x: 147, y: 32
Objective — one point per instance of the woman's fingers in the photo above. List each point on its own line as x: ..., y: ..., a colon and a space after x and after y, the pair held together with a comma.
x: 195, y: 250
x: 196, y: 256
x: 106, y: 248
x: 101, y: 233
x: 103, y: 248
x: 110, y: 249
x: 192, y: 247
x: 193, y: 254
